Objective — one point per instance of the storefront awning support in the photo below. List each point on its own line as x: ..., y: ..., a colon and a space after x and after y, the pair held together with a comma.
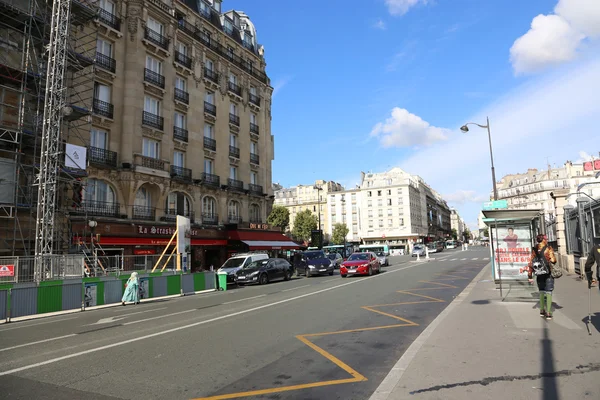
x: 165, y: 250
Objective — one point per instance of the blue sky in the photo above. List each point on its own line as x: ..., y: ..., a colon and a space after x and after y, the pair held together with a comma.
x: 367, y: 85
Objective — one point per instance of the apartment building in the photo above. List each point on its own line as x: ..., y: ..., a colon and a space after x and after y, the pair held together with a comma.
x: 176, y: 121
x: 308, y: 197
x: 457, y: 223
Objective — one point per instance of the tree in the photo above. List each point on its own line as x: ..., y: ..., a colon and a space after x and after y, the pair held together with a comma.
x: 304, y: 223
x: 454, y: 234
x: 486, y: 232
x: 340, y: 231
x: 279, y: 217
x: 467, y: 234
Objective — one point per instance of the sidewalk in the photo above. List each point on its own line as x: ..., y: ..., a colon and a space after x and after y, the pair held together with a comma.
x: 486, y: 348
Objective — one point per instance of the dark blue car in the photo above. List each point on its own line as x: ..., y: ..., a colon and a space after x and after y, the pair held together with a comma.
x: 314, y: 262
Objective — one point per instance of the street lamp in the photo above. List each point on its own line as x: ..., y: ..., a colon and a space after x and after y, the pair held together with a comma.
x: 465, y: 129
x: 318, y: 189
x: 92, y: 224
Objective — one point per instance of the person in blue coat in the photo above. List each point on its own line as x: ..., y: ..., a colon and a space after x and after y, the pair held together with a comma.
x: 132, y: 289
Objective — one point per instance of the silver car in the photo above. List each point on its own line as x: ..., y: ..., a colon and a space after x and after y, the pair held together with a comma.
x: 336, y: 259
x: 383, y: 259
x: 418, y: 249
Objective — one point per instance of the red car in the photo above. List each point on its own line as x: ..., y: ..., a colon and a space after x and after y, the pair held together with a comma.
x: 360, y: 264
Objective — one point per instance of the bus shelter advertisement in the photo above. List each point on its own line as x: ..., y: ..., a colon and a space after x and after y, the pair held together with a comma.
x: 513, y: 251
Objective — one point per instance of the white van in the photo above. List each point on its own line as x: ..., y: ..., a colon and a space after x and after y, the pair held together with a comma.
x: 239, y: 261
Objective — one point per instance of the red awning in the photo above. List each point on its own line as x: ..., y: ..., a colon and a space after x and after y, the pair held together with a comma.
x: 264, y: 240
x: 137, y: 241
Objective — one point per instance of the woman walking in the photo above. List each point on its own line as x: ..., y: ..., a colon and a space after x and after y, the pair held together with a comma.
x: 131, y: 289
x: 540, y: 265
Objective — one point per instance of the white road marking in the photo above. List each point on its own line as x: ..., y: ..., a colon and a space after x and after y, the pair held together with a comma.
x: 40, y: 323
x: 160, y: 316
x: 38, y: 342
x: 247, y: 298
x: 462, y: 259
x: 294, y: 288
x: 454, y: 259
x: 116, y: 318
x: 180, y: 328
x: 474, y: 259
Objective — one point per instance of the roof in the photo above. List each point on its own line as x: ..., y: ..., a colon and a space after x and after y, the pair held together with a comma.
x: 510, y: 215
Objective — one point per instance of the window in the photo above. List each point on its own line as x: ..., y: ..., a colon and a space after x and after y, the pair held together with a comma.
x: 179, y: 159
x: 208, y: 166
x: 380, y: 213
x: 101, y: 92
x: 233, y: 140
x: 155, y: 25
x: 151, y: 148
x: 254, y: 178
x: 181, y: 84
x: 230, y: 53
x: 233, y: 109
x: 209, y: 131
x: 151, y: 105
x: 104, y: 47
x: 209, y: 206
x: 209, y: 64
x: 370, y: 214
x: 253, y: 118
x: 381, y: 223
x: 209, y: 97
x: 344, y: 218
x: 180, y: 121
x: 389, y: 202
x: 153, y: 65
x: 204, y: 8
x: 107, y: 6
x: 233, y: 210
x: 143, y: 198
x: 370, y: 203
x: 228, y: 28
x: 389, y: 192
x: 379, y: 193
x: 390, y: 222
x: 253, y: 148
x: 371, y: 224
x: 400, y: 201
x: 253, y: 91
x: 233, y: 78
x: 255, y: 213
x: 232, y: 172
x: 380, y: 203
x: 98, y: 190
x: 182, y: 48
x: 390, y: 211
x: 401, y: 221
x: 98, y: 138
x: 178, y: 204
x: 354, y: 218
x: 333, y: 219
x: 369, y: 194
x: 354, y: 229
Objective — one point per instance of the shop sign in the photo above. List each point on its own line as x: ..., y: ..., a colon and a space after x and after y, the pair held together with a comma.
x: 163, y: 231
x: 7, y: 270
x: 144, y: 252
x: 259, y: 226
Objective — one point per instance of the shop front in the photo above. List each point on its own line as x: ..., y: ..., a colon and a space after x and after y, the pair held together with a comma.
x: 261, y: 239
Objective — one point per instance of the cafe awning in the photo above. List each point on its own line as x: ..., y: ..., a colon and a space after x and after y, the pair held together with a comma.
x: 264, y: 240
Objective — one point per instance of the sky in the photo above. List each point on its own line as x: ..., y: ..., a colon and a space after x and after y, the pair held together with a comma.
x: 368, y: 85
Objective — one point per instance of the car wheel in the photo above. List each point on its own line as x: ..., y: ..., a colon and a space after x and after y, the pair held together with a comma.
x: 263, y: 279
x: 307, y: 272
x: 370, y: 271
x: 286, y: 276
x: 330, y: 273
x: 343, y: 275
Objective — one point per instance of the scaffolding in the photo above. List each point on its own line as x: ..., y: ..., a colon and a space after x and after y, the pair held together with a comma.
x: 34, y: 108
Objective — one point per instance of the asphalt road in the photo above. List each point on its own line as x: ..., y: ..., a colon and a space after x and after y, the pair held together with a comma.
x: 309, y: 338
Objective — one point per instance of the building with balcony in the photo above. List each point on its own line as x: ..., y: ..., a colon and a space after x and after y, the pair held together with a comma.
x: 179, y: 123
x: 457, y: 223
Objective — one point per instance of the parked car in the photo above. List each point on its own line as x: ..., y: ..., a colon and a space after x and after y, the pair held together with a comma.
x: 418, y: 250
x: 314, y: 262
x: 336, y: 258
x: 264, y: 271
x: 383, y: 259
x: 360, y: 264
x: 237, y: 262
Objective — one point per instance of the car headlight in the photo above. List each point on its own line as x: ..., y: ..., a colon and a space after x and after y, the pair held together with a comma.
x: 254, y: 273
x: 311, y: 266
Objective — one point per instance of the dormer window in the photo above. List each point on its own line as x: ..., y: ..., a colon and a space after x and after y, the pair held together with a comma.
x: 217, y: 5
x: 205, y: 8
x: 228, y: 26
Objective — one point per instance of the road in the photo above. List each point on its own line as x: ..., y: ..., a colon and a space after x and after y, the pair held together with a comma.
x: 308, y: 338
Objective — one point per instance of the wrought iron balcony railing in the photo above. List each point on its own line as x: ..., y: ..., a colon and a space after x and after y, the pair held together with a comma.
x: 106, y: 62
x: 254, y: 128
x: 211, y: 75
x: 187, y: 27
x: 256, y: 189
x: 98, y: 208
x: 181, y: 174
x: 254, y: 159
x: 153, y: 120
x: 210, y: 143
x: 210, y: 219
x: 99, y: 156
x: 109, y: 19
x: 254, y: 99
x: 235, y: 184
x: 180, y: 134
x: 210, y: 108
x: 151, y: 162
x: 154, y: 78
x: 210, y: 179
x: 182, y: 59
x: 103, y: 108
x: 234, y: 88
x: 171, y: 214
x: 234, y: 151
x: 234, y: 119
x: 182, y: 95
x: 234, y: 219
x: 144, y: 213
x: 156, y: 38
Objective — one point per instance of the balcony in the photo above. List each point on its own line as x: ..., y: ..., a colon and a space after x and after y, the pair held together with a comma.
x: 254, y: 128
x: 106, y: 62
x: 144, y: 212
x: 171, y: 215
x: 180, y: 134
x: 184, y: 60
x: 235, y: 184
x: 186, y: 27
x: 234, y: 88
x: 182, y: 96
x: 210, y: 219
x: 254, y: 99
x: 181, y: 174
x: 234, y: 119
x: 156, y: 38
x: 154, y: 78
x: 153, y: 120
x: 234, y: 219
x: 210, y: 108
x: 211, y: 75
x: 254, y: 159
x: 256, y: 189
x: 103, y: 108
x: 210, y: 179
x: 234, y: 152
x: 102, y: 157
x: 210, y: 143
x: 152, y: 163
x: 109, y: 19
x: 98, y: 208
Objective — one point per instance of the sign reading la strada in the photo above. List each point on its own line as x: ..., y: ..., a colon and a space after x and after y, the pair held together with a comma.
x: 160, y: 230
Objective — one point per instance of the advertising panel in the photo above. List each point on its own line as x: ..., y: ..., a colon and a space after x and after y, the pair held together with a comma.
x: 512, y: 252
x: 91, y: 294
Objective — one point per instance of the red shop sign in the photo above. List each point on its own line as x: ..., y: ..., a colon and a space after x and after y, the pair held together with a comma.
x: 7, y: 270
x: 143, y: 252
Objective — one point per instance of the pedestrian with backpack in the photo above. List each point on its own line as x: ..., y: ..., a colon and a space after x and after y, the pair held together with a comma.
x: 540, y: 265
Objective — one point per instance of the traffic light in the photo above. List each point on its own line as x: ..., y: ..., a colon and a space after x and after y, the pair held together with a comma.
x: 77, y: 193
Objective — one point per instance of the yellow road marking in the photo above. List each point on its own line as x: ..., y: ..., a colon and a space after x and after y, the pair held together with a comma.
x: 432, y: 299
x: 373, y: 328
x: 391, y: 316
x: 355, y: 374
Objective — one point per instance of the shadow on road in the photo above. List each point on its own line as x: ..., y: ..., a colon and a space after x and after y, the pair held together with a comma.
x: 549, y: 378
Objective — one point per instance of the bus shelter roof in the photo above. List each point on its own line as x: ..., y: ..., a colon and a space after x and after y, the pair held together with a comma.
x: 510, y: 216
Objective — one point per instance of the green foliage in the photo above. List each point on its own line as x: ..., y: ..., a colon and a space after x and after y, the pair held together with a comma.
x: 467, y: 234
x: 304, y: 223
x: 280, y: 217
x: 454, y: 234
x: 340, y: 231
x: 486, y: 232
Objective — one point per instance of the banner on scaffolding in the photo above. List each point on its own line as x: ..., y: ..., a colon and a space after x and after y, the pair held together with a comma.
x: 183, y: 239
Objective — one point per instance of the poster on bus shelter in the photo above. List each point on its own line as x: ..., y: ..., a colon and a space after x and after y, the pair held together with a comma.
x: 512, y: 247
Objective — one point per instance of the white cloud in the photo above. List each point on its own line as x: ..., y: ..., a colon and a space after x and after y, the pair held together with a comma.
x: 584, y: 156
x: 279, y: 84
x: 465, y: 196
x: 556, y: 38
x: 404, y: 129
x: 379, y: 24
x: 401, y: 7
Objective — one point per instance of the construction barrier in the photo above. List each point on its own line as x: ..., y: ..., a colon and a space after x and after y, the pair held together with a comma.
x: 22, y: 299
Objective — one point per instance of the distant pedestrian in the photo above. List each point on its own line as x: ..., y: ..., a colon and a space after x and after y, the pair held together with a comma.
x: 131, y: 289
x: 593, y: 257
x: 541, y: 264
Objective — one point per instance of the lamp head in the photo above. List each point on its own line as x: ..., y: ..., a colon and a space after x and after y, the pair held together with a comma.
x: 464, y: 129
x: 92, y: 224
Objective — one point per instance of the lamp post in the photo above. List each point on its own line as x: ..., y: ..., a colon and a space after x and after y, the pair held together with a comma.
x: 318, y: 189
x: 92, y: 224
x: 465, y: 129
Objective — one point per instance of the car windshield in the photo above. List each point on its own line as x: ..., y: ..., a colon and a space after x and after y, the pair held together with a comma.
x: 312, y: 255
x: 359, y: 256
x: 381, y: 254
x: 418, y: 247
x: 332, y: 256
x: 234, y: 262
x: 256, y: 264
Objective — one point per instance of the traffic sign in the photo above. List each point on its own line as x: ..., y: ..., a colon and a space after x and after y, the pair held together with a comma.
x: 7, y: 270
x: 496, y: 204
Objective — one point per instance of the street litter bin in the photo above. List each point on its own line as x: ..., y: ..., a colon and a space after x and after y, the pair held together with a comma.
x: 222, y: 280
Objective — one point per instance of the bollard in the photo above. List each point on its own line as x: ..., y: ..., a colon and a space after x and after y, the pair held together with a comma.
x: 8, y: 306
x: 426, y: 253
x: 418, y: 257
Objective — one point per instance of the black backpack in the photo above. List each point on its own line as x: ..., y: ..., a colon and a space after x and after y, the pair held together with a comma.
x: 539, y: 263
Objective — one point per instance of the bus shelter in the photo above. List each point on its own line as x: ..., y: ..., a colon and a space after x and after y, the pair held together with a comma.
x: 512, y: 234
